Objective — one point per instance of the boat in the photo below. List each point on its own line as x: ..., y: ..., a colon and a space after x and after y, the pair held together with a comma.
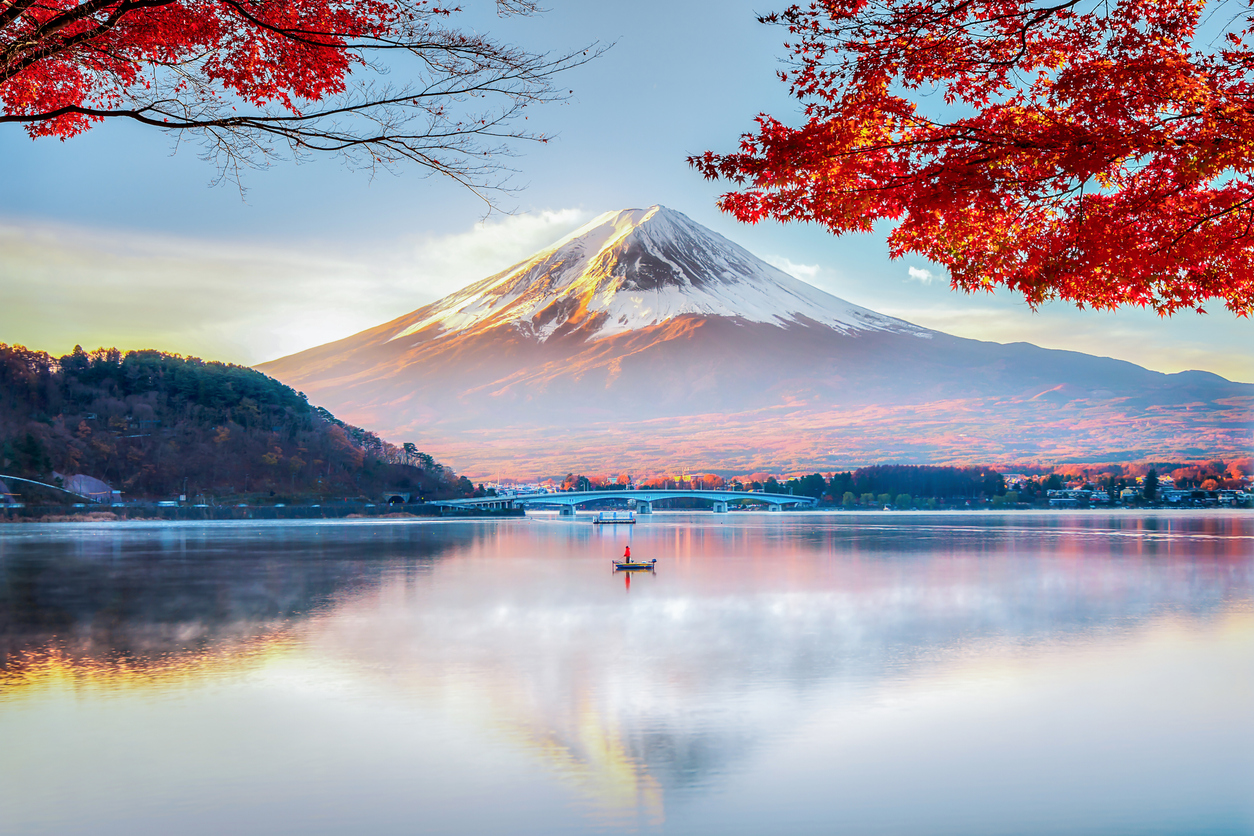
x: 614, y: 518
x: 634, y: 565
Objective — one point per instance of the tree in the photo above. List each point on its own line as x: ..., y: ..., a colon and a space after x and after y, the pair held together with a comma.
x: 848, y: 500
x: 222, y: 428
x: 1096, y: 154
x: 840, y: 483
x: 255, y: 78
x: 1150, y: 488
x: 813, y: 485
x: 410, y: 452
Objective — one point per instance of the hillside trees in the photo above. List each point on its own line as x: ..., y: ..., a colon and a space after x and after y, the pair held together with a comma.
x: 813, y: 485
x: 255, y: 80
x: 1098, y: 153
x: 940, y: 482
x: 150, y: 423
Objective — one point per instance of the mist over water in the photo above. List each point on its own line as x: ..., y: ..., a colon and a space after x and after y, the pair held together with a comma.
x: 780, y: 673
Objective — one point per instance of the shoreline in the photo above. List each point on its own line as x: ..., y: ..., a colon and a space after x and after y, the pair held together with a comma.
x: 149, y: 514
x: 226, y: 513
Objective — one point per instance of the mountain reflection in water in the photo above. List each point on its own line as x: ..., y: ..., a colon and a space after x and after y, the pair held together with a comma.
x: 664, y: 705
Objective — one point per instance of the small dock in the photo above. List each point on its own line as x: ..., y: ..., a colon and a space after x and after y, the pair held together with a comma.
x: 614, y: 518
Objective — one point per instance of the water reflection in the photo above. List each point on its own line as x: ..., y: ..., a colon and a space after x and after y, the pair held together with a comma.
x: 146, y: 597
x: 756, y: 634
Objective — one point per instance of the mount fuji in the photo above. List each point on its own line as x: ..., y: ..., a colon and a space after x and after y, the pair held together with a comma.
x: 644, y: 341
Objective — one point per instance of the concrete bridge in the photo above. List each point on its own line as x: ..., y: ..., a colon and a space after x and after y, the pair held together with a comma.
x: 4, y: 495
x: 643, y: 500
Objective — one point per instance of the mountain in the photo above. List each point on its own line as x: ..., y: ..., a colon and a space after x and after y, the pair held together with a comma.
x: 644, y: 341
x: 158, y: 425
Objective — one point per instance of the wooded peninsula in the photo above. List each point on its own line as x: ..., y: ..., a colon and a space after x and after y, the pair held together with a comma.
x: 158, y: 425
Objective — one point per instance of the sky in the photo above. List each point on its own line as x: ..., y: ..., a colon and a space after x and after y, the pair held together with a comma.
x: 116, y: 238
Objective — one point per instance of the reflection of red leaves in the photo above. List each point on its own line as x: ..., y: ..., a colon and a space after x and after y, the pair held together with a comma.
x: 1095, y: 158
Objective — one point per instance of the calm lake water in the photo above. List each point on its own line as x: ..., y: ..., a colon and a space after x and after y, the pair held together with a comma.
x: 779, y: 674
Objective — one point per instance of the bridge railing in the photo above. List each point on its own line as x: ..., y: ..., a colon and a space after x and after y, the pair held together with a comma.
x: 4, y: 478
x: 640, y: 496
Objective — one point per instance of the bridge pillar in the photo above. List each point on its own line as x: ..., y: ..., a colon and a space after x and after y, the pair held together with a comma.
x: 643, y: 507
x: 774, y: 507
x: 567, y: 511
x: 720, y: 507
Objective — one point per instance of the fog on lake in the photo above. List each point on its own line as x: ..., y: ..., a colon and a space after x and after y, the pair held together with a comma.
x: 779, y: 673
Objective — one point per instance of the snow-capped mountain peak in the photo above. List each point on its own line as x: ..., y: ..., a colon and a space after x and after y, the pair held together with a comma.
x: 632, y: 269
x: 574, y: 359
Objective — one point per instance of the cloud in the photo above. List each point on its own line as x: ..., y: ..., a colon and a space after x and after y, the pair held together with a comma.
x: 62, y: 285
x: 922, y: 276
x: 806, y: 272
x: 438, y: 265
x: 246, y: 303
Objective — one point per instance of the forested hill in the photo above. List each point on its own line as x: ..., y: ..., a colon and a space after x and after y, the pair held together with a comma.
x: 151, y: 424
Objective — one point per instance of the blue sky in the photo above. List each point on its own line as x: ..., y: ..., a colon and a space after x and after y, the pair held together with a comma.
x: 110, y: 238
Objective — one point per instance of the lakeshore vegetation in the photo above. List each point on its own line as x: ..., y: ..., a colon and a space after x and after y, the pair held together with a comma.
x: 153, y: 424
x: 158, y: 425
x: 939, y: 486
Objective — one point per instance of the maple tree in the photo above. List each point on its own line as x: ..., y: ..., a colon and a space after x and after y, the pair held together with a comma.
x: 256, y: 79
x: 1097, y: 152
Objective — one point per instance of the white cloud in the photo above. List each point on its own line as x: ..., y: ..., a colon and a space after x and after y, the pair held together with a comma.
x: 805, y: 272
x: 246, y: 303
x: 62, y: 285
x: 922, y: 276
x: 450, y: 262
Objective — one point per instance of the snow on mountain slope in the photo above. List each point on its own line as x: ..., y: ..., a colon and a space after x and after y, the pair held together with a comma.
x: 635, y: 268
x: 644, y: 339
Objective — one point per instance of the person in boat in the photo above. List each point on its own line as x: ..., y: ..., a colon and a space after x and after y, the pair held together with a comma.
x: 627, y: 553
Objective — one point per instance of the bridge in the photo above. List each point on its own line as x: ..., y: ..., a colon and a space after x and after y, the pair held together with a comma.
x: 643, y: 499
x: 5, y: 496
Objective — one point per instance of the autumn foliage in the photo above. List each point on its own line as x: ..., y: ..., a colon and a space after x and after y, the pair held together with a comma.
x: 1097, y: 152
x: 253, y: 78
x: 154, y: 424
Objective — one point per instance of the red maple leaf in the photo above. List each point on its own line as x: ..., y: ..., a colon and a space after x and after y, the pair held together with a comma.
x: 1100, y: 156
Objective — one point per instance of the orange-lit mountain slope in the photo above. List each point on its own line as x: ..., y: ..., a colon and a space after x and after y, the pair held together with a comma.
x: 644, y: 341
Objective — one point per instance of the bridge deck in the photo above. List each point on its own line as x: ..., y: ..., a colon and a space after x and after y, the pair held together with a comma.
x: 648, y: 496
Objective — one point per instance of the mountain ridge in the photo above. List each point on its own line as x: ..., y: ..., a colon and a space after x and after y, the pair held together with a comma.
x: 642, y: 336
x: 633, y: 268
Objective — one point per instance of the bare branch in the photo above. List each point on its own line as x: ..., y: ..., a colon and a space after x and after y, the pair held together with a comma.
x: 312, y: 83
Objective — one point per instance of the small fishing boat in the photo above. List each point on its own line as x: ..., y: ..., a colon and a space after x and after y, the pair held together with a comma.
x: 634, y: 565
x: 614, y: 518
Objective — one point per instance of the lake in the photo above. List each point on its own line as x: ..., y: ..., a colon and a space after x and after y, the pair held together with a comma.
x: 779, y: 674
